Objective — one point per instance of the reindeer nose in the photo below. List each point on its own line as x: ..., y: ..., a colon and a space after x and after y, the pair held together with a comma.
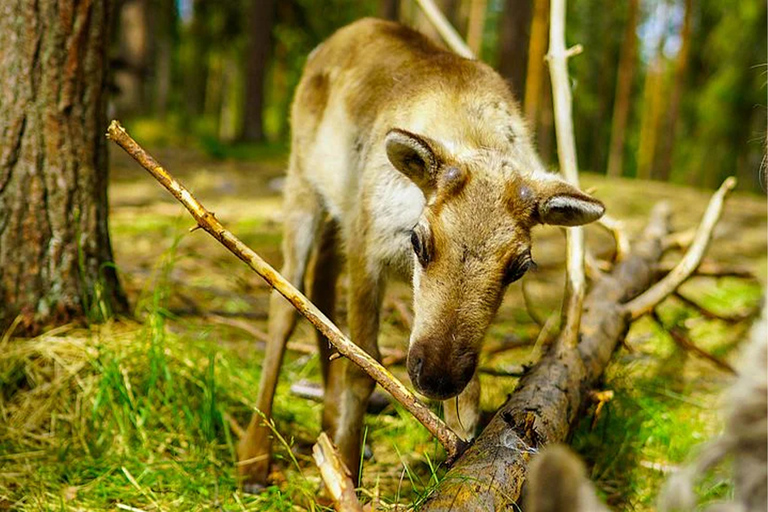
x: 433, y: 377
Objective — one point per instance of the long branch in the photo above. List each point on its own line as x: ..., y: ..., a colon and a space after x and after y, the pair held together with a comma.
x: 444, y: 28
x: 692, y: 259
x: 206, y: 220
x: 566, y: 153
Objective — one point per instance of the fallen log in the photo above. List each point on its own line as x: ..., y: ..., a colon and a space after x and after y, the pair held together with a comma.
x: 546, y: 403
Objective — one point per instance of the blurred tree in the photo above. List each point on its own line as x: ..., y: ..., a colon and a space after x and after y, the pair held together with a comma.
x: 130, y: 74
x: 537, y: 49
x: 195, y: 46
x: 653, y: 99
x: 389, y: 9
x: 259, y: 35
x: 514, y: 35
x: 55, y: 252
x: 622, y: 102
x: 723, y: 116
x: 664, y: 166
x: 163, y: 38
x: 476, y: 25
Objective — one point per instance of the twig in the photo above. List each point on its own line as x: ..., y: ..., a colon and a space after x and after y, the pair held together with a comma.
x: 712, y: 269
x: 708, y: 313
x: 616, y: 228
x: 557, y: 58
x: 444, y: 28
x: 679, y: 337
x: 452, y: 443
x: 646, y: 302
x: 336, y: 475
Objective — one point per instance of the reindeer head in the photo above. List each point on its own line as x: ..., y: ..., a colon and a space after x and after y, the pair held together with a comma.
x: 473, y: 239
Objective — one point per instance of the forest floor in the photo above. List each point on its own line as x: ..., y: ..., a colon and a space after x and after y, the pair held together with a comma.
x: 144, y: 413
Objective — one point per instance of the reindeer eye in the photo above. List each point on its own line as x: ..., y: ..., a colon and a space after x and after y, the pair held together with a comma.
x: 419, y: 248
x: 518, y: 267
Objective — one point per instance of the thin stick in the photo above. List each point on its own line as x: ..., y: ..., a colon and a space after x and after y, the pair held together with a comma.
x: 206, y: 220
x: 646, y: 302
x: 616, y: 228
x: 708, y: 313
x: 444, y: 28
x: 566, y: 153
x: 681, y: 340
x: 713, y: 269
x: 336, y: 475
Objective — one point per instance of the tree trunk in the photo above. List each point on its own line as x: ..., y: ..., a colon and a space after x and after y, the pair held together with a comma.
x: 163, y: 31
x: 514, y: 35
x: 55, y: 254
x: 623, y: 92
x: 196, y: 60
x: 260, y: 20
x: 536, y: 50
x: 476, y: 26
x: 133, y: 58
x: 389, y: 9
x: 546, y: 403
x: 653, y: 97
x: 673, y: 112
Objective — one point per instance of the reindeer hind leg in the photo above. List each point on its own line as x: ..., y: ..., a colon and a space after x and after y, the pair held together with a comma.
x: 302, y: 218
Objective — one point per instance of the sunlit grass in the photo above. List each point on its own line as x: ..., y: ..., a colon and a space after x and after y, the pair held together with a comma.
x: 145, y: 413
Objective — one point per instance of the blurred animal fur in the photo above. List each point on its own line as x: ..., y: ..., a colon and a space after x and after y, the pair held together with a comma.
x: 558, y: 481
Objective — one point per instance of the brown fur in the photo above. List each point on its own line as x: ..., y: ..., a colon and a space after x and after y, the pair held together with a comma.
x: 421, y: 160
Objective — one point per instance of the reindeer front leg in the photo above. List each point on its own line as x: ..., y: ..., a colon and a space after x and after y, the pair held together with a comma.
x: 365, y: 293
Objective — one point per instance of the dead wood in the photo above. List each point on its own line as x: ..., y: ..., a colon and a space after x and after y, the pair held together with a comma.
x: 546, y: 403
x: 684, y: 342
x: 646, y: 302
x: 336, y: 475
x: 208, y: 222
x: 557, y: 57
x: 548, y: 399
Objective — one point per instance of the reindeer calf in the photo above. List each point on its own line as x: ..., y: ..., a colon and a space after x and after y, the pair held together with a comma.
x: 406, y: 159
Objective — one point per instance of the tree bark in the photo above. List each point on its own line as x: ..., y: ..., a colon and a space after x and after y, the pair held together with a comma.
x: 681, y: 67
x: 55, y: 253
x: 548, y: 399
x: 623, y: 92
x: 260, y: 19
x: 514, y: 35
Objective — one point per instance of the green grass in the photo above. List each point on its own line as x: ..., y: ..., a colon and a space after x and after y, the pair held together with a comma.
x: 146, y: 413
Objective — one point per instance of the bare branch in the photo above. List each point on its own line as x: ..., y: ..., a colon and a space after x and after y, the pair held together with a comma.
x: 616, y: 228
x: 681, y: 340
x: 444, y: 28
x: 452, y: 443
x: 336, y: 475
x: 646, y: 302
x: 557, y: 58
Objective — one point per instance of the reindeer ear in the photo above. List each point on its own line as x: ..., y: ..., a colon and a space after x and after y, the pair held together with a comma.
x: 413, y: 156
x: 562, y: 204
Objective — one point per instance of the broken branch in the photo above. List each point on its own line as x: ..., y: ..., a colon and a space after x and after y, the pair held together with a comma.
x: 685, y: 343
x: 336, y: 475
x: 646, y: 302
x: 451, y: 442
